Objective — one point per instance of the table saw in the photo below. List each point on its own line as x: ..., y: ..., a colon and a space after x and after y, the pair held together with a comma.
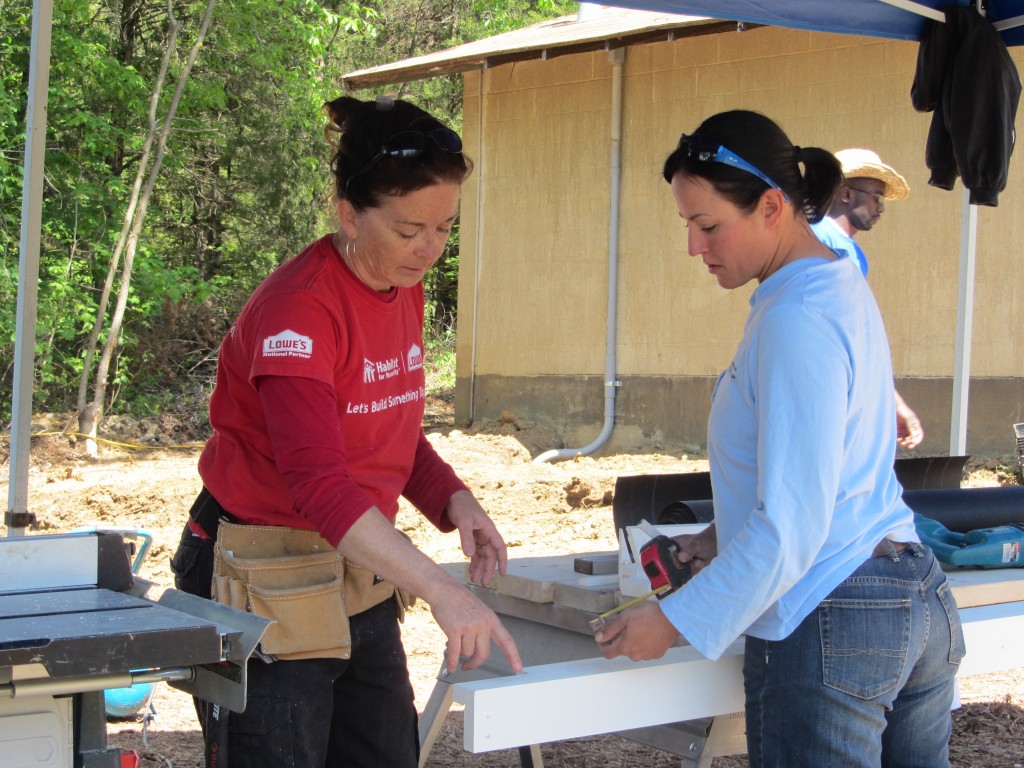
x: 74, y: 620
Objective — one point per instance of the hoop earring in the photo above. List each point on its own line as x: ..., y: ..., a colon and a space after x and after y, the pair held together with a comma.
x: 349, y: 250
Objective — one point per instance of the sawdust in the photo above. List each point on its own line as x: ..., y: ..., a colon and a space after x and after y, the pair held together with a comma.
x: 542, y: 509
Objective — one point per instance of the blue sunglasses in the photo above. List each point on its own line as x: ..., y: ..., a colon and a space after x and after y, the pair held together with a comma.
x: 409, y: 144
x: 690, y: 145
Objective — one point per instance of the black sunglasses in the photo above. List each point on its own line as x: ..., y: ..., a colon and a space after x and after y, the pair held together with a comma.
x: 409, y: 144
x: 878, y: 197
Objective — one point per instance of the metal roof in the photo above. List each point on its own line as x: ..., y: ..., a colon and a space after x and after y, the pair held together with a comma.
x: 599, y: 28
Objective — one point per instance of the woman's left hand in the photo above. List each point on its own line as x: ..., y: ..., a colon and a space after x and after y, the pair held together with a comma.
x: 481, y: 541
x: 642, y: 633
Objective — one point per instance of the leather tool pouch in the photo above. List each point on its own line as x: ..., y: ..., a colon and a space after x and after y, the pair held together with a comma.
x: 299, y: 581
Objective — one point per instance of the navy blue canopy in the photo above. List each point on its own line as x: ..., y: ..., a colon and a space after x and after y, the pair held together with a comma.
x: 898, y: 19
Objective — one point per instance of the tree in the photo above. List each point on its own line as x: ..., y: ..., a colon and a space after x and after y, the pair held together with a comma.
x: 406, y: 29
x: 243, y: 182
x: 90, y: 413
x: 220, y: 216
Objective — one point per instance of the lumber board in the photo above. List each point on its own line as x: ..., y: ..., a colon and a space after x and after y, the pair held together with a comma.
x: 533, y: 578
x: 587, y: 595
x: 617, y: 694
x: 554, y: 579
x: 986, y: 586
x: 598, y: 564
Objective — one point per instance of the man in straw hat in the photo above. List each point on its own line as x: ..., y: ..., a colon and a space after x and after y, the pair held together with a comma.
x: 859, y: 202
x: 867, y: 184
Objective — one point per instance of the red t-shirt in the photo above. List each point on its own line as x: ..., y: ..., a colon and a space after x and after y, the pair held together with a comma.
x: 319, y: 402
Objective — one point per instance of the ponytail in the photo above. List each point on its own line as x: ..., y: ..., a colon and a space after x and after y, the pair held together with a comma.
x: 821, y: 179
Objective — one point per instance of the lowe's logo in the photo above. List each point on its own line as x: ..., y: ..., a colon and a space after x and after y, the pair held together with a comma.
x: 414, y: 358
x: 288, y: 344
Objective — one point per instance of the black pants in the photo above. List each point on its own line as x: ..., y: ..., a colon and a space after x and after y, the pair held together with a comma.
x: 313, y: 713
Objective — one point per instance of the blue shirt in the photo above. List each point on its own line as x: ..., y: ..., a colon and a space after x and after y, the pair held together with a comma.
x: 801, y: 442
x: 832, y: 235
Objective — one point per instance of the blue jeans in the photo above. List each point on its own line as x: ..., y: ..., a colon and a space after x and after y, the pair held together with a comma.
x: 867, y: 678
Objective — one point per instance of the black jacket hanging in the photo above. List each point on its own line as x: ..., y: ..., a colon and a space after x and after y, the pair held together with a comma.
x: 966, y: 76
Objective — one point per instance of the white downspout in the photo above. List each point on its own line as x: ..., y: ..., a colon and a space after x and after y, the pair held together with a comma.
x: 616, y: 57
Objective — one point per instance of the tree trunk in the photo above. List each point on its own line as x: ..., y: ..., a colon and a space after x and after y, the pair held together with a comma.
x: 91, y: 415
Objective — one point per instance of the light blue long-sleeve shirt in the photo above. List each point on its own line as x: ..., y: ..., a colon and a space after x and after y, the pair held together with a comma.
x: 801, y: 441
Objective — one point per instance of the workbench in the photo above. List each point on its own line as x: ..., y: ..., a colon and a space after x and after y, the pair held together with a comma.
x: 567, y: 690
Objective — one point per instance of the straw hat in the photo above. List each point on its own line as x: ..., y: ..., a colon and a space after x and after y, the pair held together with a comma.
x: 865, y: 164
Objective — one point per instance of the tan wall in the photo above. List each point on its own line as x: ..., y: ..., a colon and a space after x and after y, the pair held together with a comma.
x: 544, y: 167
x: 535, y: 215
x: 545, y: 161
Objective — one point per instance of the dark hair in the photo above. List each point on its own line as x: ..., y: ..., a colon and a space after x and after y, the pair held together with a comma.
x: 763, y: 144
x: 363, y: 128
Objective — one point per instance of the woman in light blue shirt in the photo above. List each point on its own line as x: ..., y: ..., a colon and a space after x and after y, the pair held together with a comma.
x: 852, y: 637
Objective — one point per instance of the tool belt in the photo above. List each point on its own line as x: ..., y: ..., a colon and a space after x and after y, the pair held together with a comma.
x: 299, y: 581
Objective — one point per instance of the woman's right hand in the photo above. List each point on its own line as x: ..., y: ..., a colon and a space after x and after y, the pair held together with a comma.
x: 373, y: 543
x: 470, y: 626
x: 697, y: 549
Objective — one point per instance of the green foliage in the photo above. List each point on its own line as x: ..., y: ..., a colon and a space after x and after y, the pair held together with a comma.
x: 439, y: 364
x: 406, y: 29
x: 245, y: 182
x: 492, y: 17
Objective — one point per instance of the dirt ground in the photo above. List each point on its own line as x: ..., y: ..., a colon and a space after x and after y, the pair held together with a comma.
x: 541, y: 509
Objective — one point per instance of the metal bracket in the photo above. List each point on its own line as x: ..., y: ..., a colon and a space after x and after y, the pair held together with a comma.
x: 223, y: 683
x: 1018, y: 432
x: 19, y: 519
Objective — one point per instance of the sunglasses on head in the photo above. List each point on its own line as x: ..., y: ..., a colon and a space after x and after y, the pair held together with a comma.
x: 695, y: 149
x: 409, y: 144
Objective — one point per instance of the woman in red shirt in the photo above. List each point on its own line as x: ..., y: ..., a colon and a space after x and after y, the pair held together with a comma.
x: 317, y: 416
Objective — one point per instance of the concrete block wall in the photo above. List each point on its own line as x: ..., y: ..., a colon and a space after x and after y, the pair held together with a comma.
x: 535, y: 225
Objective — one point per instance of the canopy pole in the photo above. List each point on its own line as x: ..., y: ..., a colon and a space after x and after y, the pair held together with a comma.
x: 964, y: 324
x: 18, y: 518
x: 918, y: 8
x: 1011, y: 23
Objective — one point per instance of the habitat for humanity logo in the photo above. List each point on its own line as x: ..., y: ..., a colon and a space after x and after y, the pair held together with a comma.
x: 414, y: 358
x: 378, y: 370
x: 287, y: 344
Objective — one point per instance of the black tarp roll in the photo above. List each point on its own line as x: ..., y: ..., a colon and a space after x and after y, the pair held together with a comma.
x: 957, y: 509
x: 967, y: 509
x: 687, y: 513
x: 648, y: 497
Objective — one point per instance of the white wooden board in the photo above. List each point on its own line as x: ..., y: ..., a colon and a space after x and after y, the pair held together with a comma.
x: 995, y: 638
x: 573, y: 699
x: 551, y: 702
